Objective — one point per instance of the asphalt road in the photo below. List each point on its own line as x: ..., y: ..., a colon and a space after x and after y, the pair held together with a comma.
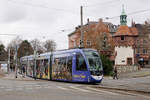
x: 51, y: 90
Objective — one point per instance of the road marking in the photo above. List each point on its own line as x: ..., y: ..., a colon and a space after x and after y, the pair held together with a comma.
x: 37, y: 85
x: 79, y: 89
x: 49, y: 87
x: 102, y: 91
x: 45, y: 86
x: 61, y: 88
x: 9, y: 89
x: 2, y: 87
x: 30, y: 83
x: 19, y: 88
x: 29, y: 88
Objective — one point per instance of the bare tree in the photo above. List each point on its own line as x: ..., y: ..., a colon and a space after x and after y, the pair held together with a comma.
x: 16, y: 41
x: 50, y: 45
x: 12, y: 47
x: 37, y: 45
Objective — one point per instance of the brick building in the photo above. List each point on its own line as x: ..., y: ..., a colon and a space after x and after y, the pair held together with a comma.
x: 97, y: 35
x: 125, y: 45
x: 143, y: 44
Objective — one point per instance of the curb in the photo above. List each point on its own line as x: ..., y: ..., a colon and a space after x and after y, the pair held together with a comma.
x: 122, y: 89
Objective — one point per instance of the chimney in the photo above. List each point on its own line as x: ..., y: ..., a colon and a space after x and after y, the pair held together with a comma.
x: 100, y: 20
x: 133, y: 24
x: 146, y: 22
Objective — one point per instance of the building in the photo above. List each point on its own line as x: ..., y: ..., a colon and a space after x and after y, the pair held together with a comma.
x: 124, y: 42
x: 143, y: 44
x: 126, y: 46
x: 97, y: 35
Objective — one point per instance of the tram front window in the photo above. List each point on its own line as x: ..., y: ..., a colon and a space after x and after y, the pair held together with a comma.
x: 94, y: 62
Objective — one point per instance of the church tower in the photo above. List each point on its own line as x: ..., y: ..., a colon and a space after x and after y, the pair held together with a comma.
x: 124, y: 41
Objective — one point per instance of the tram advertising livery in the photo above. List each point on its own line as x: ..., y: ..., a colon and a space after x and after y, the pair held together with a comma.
x: 74, y: 65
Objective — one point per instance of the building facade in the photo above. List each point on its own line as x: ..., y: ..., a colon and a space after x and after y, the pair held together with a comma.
x: 97, y: 35
x: 125, y: 42
x: 143, y: 44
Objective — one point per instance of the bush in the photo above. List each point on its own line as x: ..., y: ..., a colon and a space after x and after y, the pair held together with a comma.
x: 107, y: 65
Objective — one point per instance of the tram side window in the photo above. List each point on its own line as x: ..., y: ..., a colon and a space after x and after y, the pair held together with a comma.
x: 80, y: 63
x: 46, y: 66
x: 69, y: 64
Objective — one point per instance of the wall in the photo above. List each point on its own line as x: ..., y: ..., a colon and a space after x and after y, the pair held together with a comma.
x: 127, y: 68
x: 122, y: 53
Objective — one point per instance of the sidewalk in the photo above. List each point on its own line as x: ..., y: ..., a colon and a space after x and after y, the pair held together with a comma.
x: 1, y: 74
x: 137, y: 81
x: 19, y: 77
x: 142, y: 73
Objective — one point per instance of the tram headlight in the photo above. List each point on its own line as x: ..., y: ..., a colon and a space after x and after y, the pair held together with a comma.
x: 97, y: 77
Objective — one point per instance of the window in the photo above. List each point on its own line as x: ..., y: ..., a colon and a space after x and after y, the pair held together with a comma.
x: 80, y: 63
x: 138, y: 41
x: 69, y: 64
x: 138, y: 50
x: 46, y: 66
x: 144, y: 41
x: 129, y: 61
x: 88, y: 43
x: 122, y: 37
x: 145, y: 51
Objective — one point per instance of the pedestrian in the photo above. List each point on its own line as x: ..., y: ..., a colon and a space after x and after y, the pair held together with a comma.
x: 115, y: 75
x: 23, y: 70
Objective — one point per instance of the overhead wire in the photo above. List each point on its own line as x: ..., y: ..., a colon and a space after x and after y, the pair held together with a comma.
x: 40, y: 6
x: 101, y: 3
x: 9, y: 34
x: 64, y: 10
x: 132, y: 13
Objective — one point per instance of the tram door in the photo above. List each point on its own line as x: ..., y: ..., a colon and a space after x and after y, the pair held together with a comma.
x: 80, y: 72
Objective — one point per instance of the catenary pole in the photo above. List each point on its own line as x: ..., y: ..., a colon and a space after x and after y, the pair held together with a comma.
x: 16, y: 68
x: 82, y: 33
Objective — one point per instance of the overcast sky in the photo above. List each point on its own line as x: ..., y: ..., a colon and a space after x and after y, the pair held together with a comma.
x: 45, y: 19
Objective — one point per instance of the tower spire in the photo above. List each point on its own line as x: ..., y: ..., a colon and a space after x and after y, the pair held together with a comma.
x: 123, y: 17
x: 123, y: 10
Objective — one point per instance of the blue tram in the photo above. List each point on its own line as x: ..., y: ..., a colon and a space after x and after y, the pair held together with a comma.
x: 73, y: 65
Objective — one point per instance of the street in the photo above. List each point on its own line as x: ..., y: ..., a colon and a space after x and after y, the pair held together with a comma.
x: 51, y: 90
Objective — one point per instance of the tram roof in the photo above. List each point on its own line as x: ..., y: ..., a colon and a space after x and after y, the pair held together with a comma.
x: 65, y: 51
x: 47, y: 54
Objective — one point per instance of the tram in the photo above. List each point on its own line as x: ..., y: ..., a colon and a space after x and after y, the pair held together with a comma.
x: 72, y: 65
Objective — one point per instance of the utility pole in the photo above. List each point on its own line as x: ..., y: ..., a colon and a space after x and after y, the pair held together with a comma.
x: 82, y: 33
x: 35, y: 54
x: 16, y: 68
x: 8, y: 68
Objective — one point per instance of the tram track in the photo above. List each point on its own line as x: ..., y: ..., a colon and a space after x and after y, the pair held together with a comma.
x: 125, y: 91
